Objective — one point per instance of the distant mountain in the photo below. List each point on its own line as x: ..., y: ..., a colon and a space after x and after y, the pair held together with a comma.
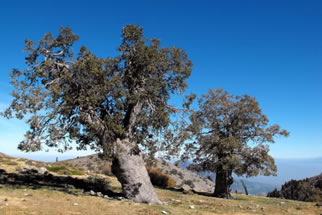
x: 309, y: 190
x: 287, y: 169
x: 255, y: 188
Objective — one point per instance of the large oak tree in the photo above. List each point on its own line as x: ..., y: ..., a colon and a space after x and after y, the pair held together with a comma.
x: 229, y: 135
x: 117, y: 105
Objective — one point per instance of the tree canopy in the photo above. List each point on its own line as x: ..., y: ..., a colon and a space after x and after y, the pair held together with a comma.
x: 91, y: 100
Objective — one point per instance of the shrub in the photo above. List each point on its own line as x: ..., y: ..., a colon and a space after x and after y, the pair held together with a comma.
x: 180, y: 175
x: 12, y: 163
x: 171, y: 183
x: 107, y: 170
x: 29, y: 162
x: 173, y: 172
x: 177, y: 163
x: 189, y: 183
x: 160, y: 179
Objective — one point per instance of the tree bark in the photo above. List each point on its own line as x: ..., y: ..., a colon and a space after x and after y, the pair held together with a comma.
x: 129, y: 168
x: 224, y: 180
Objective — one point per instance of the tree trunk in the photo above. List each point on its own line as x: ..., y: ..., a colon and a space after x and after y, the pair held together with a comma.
x: 224, y: 180
x: 129, y: 168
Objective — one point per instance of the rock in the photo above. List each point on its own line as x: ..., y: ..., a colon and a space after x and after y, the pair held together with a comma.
x: 99, y: 194
x: 106, y: 197
x: 186, y: 187
x: 182, y: 176
x: 92, y: 193
x: 192, y: 207
x: 319, y: 204
x: 42, y: 170
x: 72, y: 187
x: 164, y: 212
x: 282, y: 203
x: 75, y: 204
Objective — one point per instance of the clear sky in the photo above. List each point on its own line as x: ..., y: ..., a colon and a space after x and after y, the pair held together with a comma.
x: 268, y: 49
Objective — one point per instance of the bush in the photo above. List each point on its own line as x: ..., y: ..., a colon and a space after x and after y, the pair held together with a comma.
x: 160, y: 179
x: 107, y: 170
x: 12, y: 163
x: 173, y: 172
x: 180, y: 175
x: 189, y: 183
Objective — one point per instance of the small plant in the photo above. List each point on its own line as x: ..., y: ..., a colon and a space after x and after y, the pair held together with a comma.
x: 180, y: 175
x: 29, y: 162
x: 160, y: 179
x: 173, y: 172
x: 177, y: 163
x: 107, y: 170
x: 245, y: 187
x: 189, y: 183
x: 12, y: 163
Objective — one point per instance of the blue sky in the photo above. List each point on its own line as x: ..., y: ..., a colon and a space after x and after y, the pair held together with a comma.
x: 268, y: 49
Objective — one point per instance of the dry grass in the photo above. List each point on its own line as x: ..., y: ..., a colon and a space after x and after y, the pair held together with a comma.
x: 51, y: 202
x: 48, y: 202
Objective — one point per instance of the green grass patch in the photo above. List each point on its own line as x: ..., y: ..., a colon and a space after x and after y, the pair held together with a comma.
x: 65, y: 171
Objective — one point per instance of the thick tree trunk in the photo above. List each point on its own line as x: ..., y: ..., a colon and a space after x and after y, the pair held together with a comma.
x: 224, y: 180
x: 129, y: 168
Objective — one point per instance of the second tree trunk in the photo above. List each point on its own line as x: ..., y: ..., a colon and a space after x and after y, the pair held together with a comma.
x: 224, y: 180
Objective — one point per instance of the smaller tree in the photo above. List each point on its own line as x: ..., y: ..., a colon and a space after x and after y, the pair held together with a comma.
x: 229, y: 135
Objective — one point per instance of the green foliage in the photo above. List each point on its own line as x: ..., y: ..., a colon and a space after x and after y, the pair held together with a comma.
x: 95, y: 101
x: 64, y: 170
x: 221, y: 131
x: 308, y: 190
x: 160, y: 179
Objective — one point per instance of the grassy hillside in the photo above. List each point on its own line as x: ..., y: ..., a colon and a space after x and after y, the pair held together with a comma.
x: 48, y: 201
